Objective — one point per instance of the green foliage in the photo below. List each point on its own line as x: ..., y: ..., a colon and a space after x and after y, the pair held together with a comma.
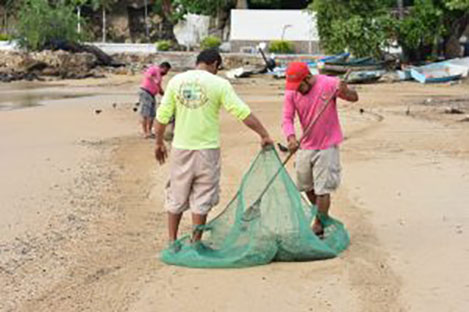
x: 96, y: 4
x: 164, y: 45
x: 457, y: 4
x: 264, y: 4
x: 422, y: 26
x: 361, y: 27
x: 365, y: 27
x: 183, y: 7
x: 5, y: 37
x: 210, y: 42
x: 281, y: 46
x: 40, y: 22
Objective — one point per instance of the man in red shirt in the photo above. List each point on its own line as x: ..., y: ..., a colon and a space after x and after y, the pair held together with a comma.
x: 149, y: 88
x: 317, y: 163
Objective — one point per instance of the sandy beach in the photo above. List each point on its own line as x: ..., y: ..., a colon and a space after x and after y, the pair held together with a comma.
x: 82, y: 219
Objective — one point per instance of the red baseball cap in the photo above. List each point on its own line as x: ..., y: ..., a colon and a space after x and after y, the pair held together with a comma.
x: 296, y: 72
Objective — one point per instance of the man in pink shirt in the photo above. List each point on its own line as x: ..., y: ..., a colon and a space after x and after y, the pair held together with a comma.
x: 317, y: 163
x: 150, y: 87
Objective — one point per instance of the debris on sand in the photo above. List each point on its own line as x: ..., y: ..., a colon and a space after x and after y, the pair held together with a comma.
x: 453, y: 110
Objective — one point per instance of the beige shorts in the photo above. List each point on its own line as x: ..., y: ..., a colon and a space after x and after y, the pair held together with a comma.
x: 318, y: 170
x: 194, y: 181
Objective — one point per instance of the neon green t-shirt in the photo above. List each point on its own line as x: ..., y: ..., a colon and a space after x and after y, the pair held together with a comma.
x: 194, y: 98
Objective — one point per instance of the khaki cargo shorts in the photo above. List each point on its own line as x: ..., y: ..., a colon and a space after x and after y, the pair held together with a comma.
x: 194, y: 181
x: 318, y: 170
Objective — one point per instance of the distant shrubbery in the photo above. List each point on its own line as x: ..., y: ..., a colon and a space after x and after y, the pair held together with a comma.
x: 281, y: 46
x: 210, y: 42
x: 40, y: 23
x: 164, y: 45
x: 4, y: 37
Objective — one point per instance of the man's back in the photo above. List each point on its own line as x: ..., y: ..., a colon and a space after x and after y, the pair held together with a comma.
x: 195, y: 98
x: 152, y: 80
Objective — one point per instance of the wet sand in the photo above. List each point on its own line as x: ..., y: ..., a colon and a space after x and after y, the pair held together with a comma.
x: 83, y: 221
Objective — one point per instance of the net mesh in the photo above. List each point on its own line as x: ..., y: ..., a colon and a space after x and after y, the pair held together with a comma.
x: 254, y: 231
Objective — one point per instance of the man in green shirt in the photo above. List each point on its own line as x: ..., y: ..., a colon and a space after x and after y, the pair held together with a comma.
x: 195, y: 98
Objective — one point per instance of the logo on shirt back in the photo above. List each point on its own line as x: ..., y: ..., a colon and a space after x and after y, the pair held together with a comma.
x: 192, y: 94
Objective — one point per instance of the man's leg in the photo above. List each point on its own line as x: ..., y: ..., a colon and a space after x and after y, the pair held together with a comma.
x: 205, y: 188
x: 326, y: 172
x: 150, y: 124
x: 178, y: 189
x: 147, y: 127
x: 198, y: 219
x: 144, y: 125
x: 323, y: 203
x: 312, y: 197
x: 173, y: 225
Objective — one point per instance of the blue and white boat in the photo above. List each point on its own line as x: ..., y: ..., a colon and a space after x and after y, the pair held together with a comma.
x: 438, y: 72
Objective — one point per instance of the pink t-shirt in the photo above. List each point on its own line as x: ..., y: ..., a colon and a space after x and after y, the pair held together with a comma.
x: 152, y: 80
x: 326, y: 132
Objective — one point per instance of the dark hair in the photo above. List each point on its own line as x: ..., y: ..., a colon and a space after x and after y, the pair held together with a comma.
x: 209, y: 57
x: 165, y: 64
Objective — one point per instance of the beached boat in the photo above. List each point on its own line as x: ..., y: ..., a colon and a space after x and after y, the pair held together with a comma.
x: 365, y: 76
x: 438, y: 72
x: 358, y: 64
x: 462, y: 62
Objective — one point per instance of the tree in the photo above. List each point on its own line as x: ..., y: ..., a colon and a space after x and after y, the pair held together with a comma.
x: 105, y: 5
x: 361, y: 27
x: 41, y: 23
x: 433, y: 26
x: 8, y: 6
x: 365, y: 27
x: 457, y: 4
x: 79, y: 4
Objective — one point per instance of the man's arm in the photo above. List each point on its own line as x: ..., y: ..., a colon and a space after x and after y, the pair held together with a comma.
x: 254, y: 124
x: 161, y: 153
x: 163, y: 117
x: 346, y: 93
x: 288, y: 122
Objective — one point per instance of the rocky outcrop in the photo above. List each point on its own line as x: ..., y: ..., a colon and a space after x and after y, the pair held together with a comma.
x: 31, y: 66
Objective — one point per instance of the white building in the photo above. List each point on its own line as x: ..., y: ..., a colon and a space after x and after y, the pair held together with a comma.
x: 249, y: 27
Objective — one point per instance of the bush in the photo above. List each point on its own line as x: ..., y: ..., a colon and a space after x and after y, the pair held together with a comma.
x: 5, y: 37
x: 210, y: 42
x: 164, y: 45
x: 281, y: 46
x: 40, y: 23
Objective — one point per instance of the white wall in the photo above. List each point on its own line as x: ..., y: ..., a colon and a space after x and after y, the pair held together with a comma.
x: 268, y: 25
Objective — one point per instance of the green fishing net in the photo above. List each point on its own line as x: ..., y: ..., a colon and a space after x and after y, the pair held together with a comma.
x: 255, y: 229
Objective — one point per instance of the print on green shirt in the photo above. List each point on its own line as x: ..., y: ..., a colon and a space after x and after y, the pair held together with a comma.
x: 192, y: 94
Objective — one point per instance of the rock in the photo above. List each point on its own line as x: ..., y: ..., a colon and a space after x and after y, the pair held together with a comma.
x: 465, y: 119
x: 428, y: 101
x: 453, y: 110
x: 35, y: 65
